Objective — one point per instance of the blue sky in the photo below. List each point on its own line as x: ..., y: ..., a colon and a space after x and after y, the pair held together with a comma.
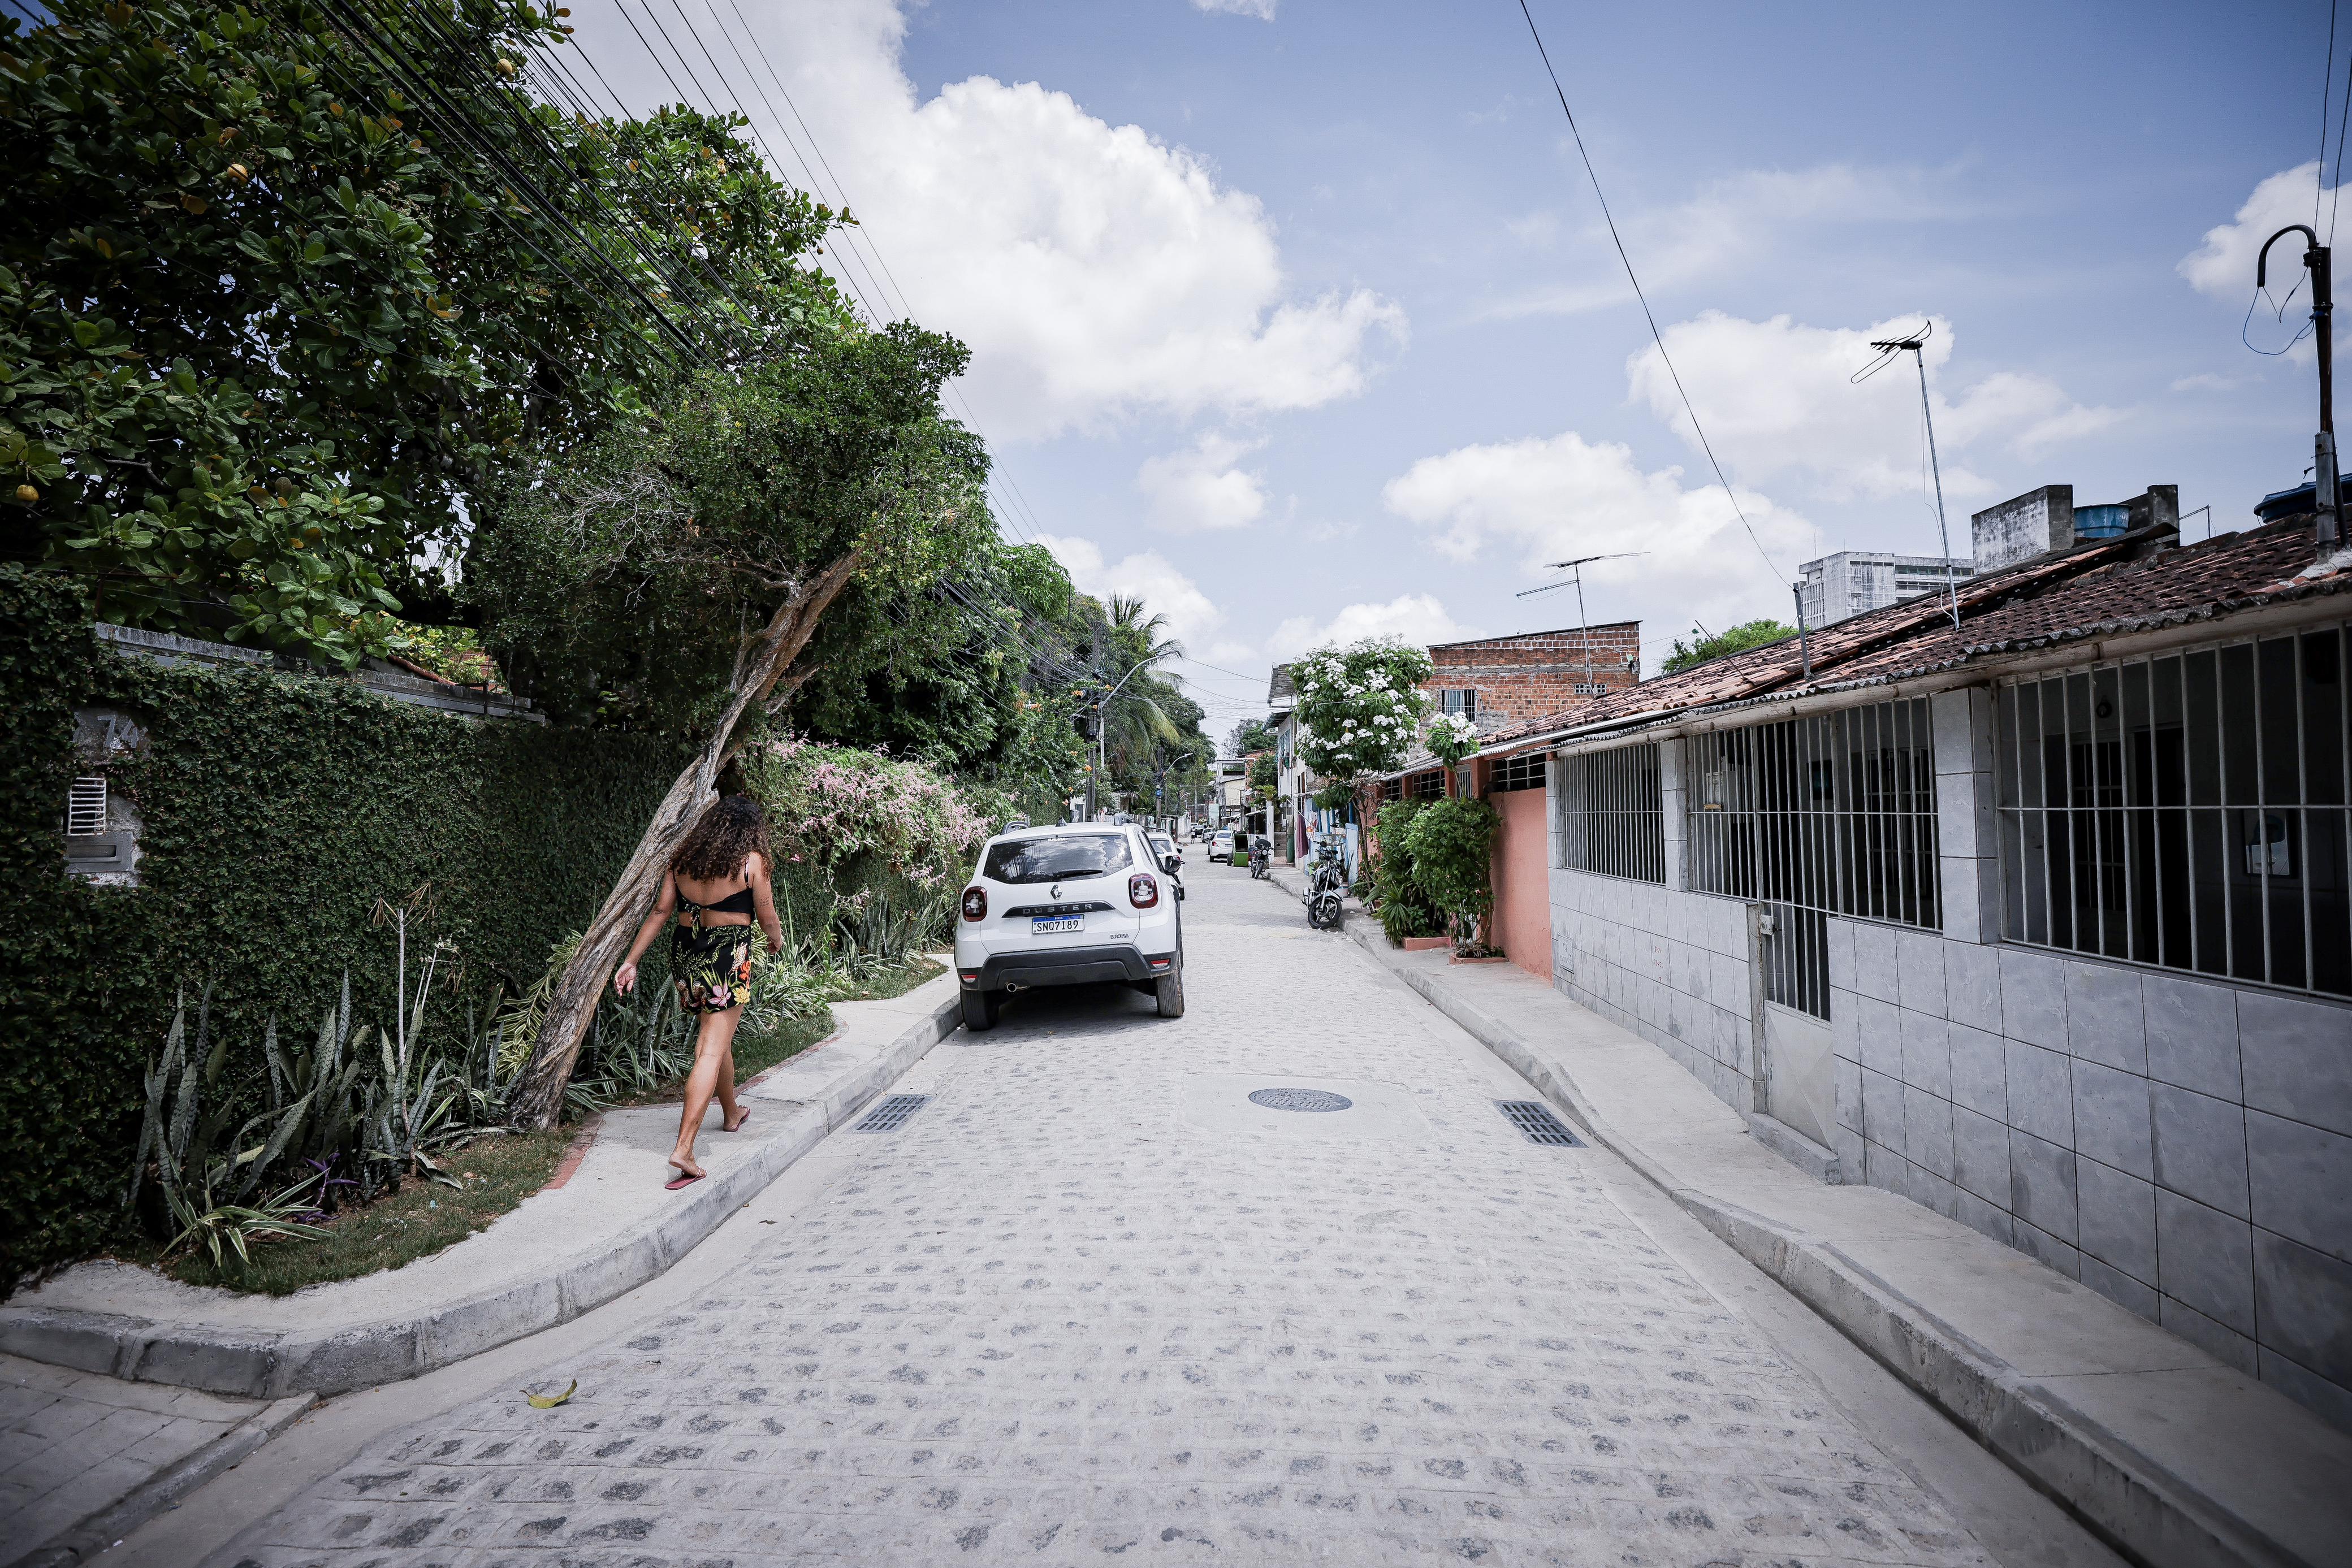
x: 1297, y: 316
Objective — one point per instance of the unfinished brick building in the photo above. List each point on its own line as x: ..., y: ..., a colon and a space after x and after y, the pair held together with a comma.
x: 1505, y: 679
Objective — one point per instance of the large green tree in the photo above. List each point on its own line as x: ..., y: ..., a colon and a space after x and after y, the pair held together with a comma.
x: 285, y: 294
x: 675, y: 568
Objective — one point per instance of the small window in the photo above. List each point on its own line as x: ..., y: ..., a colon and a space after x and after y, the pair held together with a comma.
x: 85, y: 808
x: 1465, y: 702
x: 1426, y: 786
x: 1525, y: 771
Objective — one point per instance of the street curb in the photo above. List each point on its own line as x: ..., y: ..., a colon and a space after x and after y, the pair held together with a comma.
x: 271, y: 1365
x: 2138, y: 1505
x: 164, y: 1489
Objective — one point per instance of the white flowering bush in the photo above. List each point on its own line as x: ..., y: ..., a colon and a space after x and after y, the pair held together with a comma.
x: 1359, y: 708
x: 1451, y: 738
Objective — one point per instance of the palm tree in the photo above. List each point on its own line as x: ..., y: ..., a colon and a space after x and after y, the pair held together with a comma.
x: 1138, y: 723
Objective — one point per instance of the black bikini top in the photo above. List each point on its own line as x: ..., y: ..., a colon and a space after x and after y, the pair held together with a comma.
x: 735, y: 902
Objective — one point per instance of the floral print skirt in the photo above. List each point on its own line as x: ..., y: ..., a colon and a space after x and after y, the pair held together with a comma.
x: 711, y: 967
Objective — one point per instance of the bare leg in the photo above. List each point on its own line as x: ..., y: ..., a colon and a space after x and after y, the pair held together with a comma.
x: 731, y: 1111
x: 714, y: 1055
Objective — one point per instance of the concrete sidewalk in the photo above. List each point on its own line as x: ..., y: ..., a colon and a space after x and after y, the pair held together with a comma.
x: 608, y: 1228
x: 2173, y: 1456
x: 84, y: 1459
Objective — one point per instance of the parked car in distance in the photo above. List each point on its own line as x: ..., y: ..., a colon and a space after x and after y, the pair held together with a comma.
x: 1172, y: 859
x: 1072, y: 905
x: 1221, y: 847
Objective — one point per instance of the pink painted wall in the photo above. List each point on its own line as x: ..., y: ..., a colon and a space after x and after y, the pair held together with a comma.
x: 1522, y: 882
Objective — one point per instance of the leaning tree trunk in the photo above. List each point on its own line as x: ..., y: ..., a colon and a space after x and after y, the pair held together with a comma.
x: 539, y: 1094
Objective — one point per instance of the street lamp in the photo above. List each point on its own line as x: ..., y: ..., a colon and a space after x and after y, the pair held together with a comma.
x: 1102, y: 732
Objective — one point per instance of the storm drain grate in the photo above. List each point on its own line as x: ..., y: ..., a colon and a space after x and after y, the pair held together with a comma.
x: 1535, y: 1118
x: 892, y: 1114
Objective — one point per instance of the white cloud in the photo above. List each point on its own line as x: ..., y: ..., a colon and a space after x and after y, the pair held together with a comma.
x: 2207, y: 381
x: 1200, y: 488
x: 1553, y: 498
x: 1729, y: 224
x: 1414, y: 618
x: 1095, y: 270
x: 1261, y: 10
x: 1777, y: 398
x: 2224, y: 266
x: 1148, y: 575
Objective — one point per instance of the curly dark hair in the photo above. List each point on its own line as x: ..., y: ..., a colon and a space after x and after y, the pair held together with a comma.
x: 731, y: 829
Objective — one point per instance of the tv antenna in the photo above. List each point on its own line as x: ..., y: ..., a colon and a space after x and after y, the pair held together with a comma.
x: 1576, y: 580
x: 1916, y: 343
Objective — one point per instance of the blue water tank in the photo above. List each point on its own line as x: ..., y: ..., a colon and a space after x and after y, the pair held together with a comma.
x: 2286, y: 504
x: 2101, y: 522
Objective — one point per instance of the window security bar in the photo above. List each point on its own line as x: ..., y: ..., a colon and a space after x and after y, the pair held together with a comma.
x: 1833, y: 814
x: 1525, y: 771
x: 85, y: 808
x: 1612, y: 814
x: 2190, y: 811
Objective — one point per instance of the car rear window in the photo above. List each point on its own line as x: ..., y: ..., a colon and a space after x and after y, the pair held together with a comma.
x: 1057, y: 859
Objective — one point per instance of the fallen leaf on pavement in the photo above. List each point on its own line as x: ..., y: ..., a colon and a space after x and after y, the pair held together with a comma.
x: 550, y: 1401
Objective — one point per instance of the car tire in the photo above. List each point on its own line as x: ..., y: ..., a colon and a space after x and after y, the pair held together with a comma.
x: 1169, y: 990
x: 980, y: 1009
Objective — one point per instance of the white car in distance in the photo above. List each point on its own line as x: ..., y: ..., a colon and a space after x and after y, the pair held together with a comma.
x: 1079, y: 903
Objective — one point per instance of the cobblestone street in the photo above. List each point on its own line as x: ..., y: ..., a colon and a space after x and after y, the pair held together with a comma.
x: 1089, y: 1304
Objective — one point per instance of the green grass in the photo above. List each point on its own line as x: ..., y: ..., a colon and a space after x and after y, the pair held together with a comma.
x: 885, y: 984
x: 496, y: 1172
x: 756, y: 1053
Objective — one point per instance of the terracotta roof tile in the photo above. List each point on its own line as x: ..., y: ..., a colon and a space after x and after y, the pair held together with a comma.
x: 2125, y: 583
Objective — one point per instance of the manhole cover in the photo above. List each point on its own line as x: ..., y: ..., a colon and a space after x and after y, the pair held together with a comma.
x: 1299, y: 1099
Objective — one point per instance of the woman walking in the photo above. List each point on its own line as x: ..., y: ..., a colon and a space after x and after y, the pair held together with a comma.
x: 716, y: 886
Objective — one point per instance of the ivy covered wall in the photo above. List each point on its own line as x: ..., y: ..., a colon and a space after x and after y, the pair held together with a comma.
x: 276, y: 809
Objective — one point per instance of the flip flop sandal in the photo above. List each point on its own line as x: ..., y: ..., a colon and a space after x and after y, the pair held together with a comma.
x: 682, y: 1180
x: 738, y: 1123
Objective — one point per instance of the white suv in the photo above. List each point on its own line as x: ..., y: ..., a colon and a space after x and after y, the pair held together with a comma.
x: 1069, y: 905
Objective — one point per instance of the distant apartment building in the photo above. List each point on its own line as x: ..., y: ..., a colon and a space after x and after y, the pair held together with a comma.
x: 1501, y: 680
x: 1852, y: 582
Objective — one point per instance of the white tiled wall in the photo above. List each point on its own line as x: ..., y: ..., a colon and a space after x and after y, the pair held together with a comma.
x: 1671, y: 967
x: 2182, y: 1146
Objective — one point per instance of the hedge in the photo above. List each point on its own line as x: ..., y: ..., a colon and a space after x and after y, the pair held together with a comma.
x: 277, y: 810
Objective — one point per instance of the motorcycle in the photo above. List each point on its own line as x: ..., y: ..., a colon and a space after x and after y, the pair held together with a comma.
x: 1261, y: 857
x: 1327, y: 885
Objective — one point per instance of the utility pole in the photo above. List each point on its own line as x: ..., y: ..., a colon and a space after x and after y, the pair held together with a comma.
x: 2325, y: 498
x: 1916, y: 343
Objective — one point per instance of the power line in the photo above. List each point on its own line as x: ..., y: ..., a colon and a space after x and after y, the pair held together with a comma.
x: 2327, y: 86
x: 860, y: 245
x: 1655, y: 336
x: 422, y: 89
x: 2343, y: 114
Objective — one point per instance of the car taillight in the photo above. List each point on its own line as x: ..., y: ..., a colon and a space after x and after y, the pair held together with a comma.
x: 1141, y: 890
x: 975, y: 903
